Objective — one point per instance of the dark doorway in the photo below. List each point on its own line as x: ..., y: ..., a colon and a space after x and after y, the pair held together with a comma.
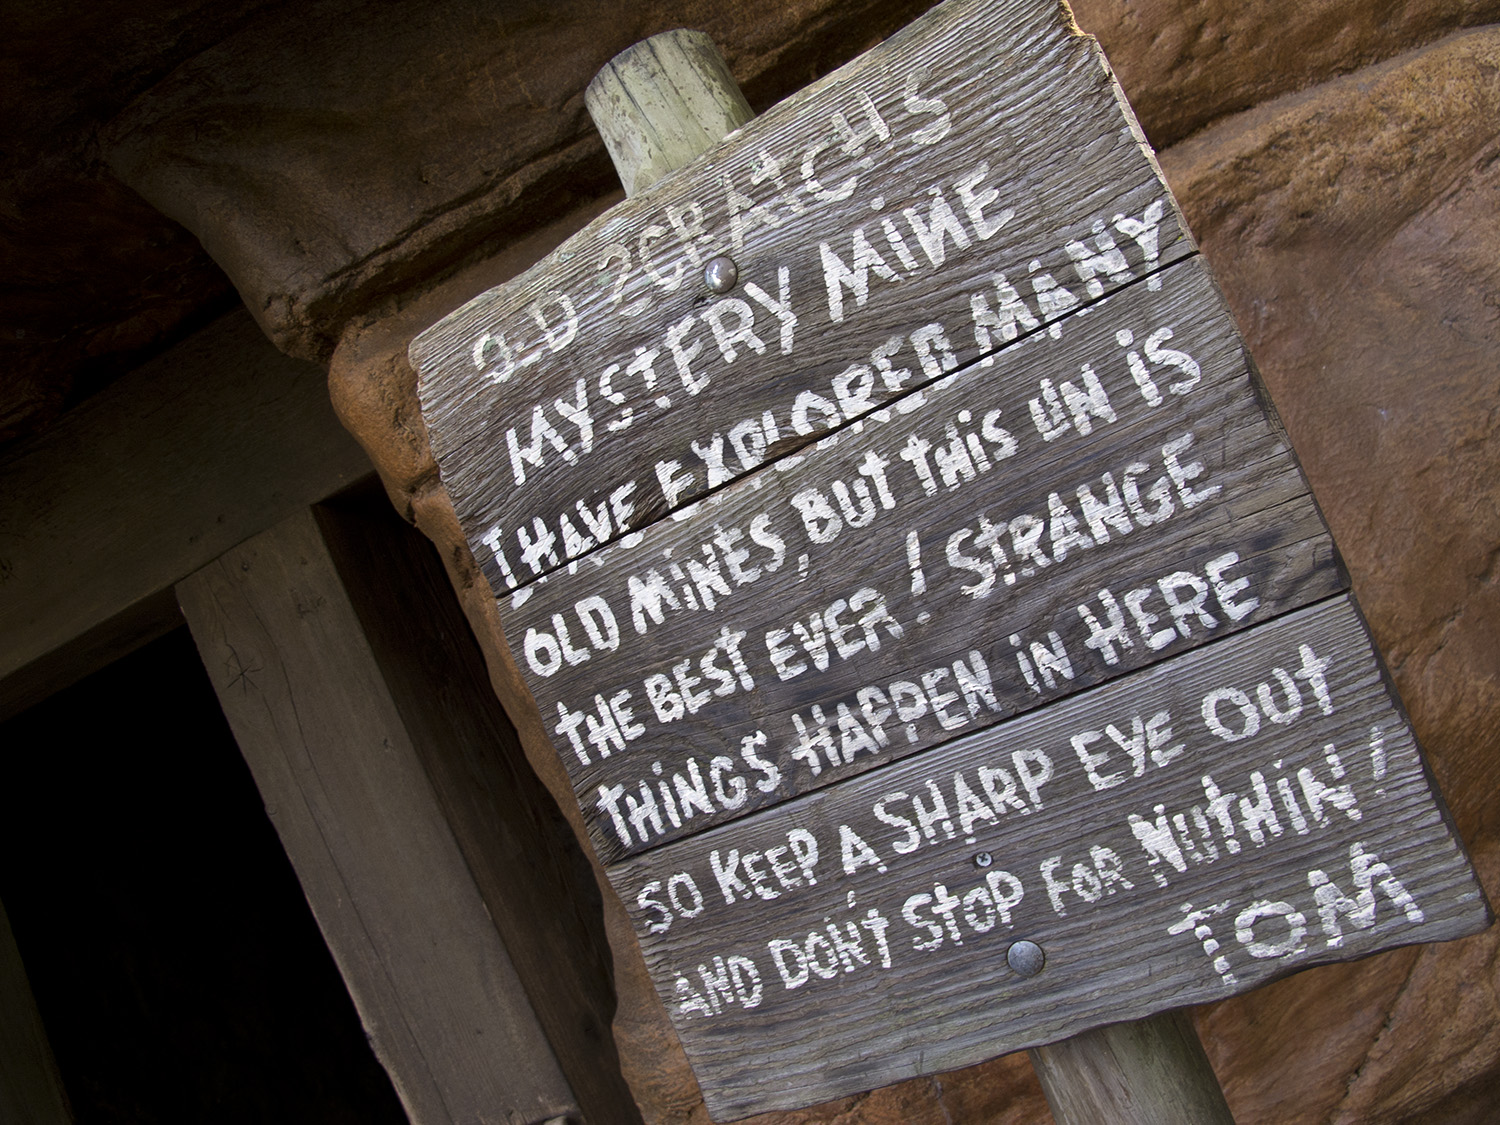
x: 178, y: 970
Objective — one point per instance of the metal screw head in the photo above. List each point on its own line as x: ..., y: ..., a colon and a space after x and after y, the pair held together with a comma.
x: 720, y: 274
x: 983, y: 859
x: 1025, y: 958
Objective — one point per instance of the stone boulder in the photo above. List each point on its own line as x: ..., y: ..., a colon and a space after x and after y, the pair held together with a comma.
x: 334, y: 153
x: 1353, y: 228
x: 1186, y: 64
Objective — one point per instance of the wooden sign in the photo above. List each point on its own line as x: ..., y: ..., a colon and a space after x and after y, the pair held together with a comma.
x: 927, y: 579
x: 929, y: 574
x: 1194, y: 830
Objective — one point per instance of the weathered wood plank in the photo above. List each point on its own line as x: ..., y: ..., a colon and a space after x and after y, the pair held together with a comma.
x: 347, y: 792
x: 785, y: 632
x: 976, y: 162
x: 31, y: 1089
x: 1263, y: 793
x: 537, y: 885
x: 144, y: 483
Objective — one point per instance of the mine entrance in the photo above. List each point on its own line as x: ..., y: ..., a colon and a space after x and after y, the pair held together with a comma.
x: 177, y: 968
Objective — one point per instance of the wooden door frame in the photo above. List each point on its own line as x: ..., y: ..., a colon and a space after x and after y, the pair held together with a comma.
x: 223, y: 446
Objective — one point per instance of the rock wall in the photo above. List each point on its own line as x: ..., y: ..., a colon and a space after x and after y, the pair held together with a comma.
x: 345, y: 151
x: 1353, y: 227
x: 96, y: 280
x: 1339, y: 164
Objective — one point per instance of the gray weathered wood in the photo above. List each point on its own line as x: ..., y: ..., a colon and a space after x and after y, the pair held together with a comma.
x: 1261, y: 512
x: 1111, y: 950
x: 1132, y: 1074
x: 346, y: 789
x: 144, y: 483
x: 662, y: 103
x: 837, y: 441
x: 535, y: 881
x: 1033, y: 132
x: 31, y: 1090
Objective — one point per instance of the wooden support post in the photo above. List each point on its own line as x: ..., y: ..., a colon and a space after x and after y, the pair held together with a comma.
x: 31, y: 1091
x: 659, y: 105
x: 663, y: 102
x: 533, y: 877
x: 360, y: 758
x: 1147, y: 1072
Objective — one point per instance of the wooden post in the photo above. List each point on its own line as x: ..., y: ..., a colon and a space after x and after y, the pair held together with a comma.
x: 31, y: 1090
x: 332, y: 729
x: 1147, y: 1072
x: 663, y: 102
x: 659, y: 105
x: 209, y: 443
x: 520, y: 852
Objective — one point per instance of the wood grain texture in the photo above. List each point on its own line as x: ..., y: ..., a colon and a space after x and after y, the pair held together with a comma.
x: 143, y: 484
x: 1014, y: 153
x: 346, y: 789
x: 1147, y: 1072
x: 663, y: 102
x: 902, y: 602
x: 535, y: 881
x: 31, y: 1089
x: 851, y: 1022
x: 1247, y: 495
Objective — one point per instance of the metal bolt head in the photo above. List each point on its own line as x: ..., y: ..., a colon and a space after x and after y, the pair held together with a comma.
x: 1025, y: 958
x: 720, y: 274
x: 983, y: 859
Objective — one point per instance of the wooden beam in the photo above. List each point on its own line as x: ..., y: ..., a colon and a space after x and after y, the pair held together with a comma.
x: 337, y: 763
x: 144, y: 483
x: 535, y: 880
x: 31, y: 1090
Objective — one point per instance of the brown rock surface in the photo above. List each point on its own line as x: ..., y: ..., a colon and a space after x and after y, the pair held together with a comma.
x: 95, y: 279
x: 1186, y: 64
x: 1354, y: 230
x: 336, y: 153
